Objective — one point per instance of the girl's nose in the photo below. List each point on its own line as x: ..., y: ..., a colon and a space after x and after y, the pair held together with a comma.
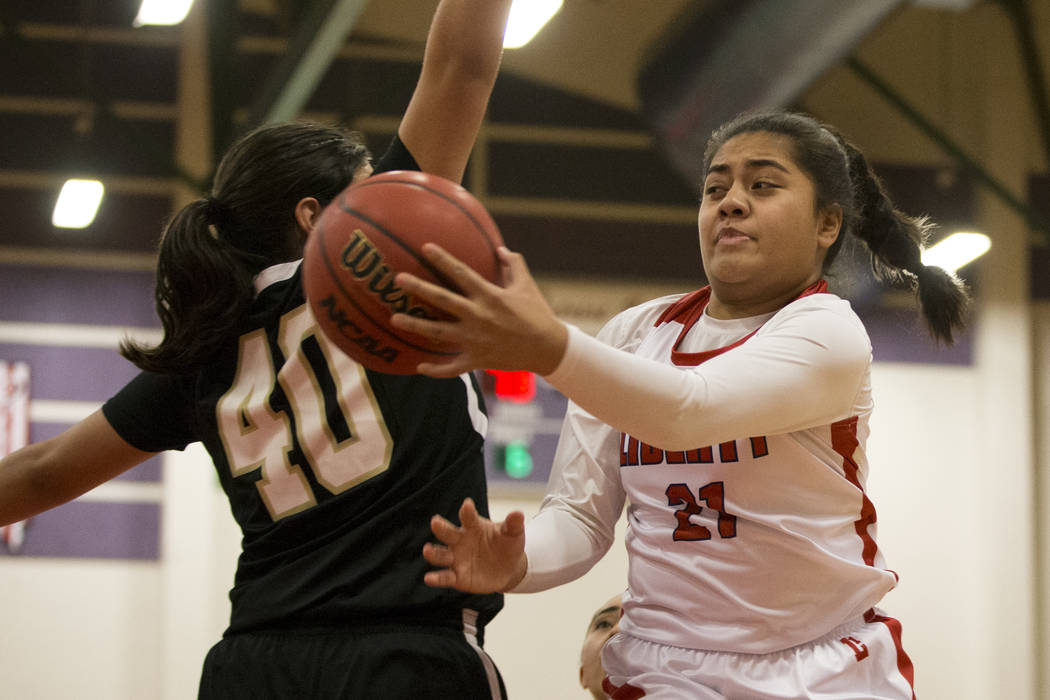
x: 734, y: 203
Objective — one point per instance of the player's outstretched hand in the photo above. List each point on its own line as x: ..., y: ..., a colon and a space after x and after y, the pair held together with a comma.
x: 477, y: 556
x: 507, y: 327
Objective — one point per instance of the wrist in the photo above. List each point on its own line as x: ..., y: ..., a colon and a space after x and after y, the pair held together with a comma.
x: 519, y: 573
x: 554, y: 347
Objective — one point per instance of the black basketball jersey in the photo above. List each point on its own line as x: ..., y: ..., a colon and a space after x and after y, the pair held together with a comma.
x: 332, y: 471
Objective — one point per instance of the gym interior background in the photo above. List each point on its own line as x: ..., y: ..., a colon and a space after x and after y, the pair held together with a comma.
x: 587, y: 161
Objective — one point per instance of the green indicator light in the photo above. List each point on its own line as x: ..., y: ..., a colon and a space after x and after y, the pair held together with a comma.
x: 517, y: 461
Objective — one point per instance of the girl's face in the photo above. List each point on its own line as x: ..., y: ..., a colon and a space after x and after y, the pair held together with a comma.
x: 762, y: 239
x: 604, y: 624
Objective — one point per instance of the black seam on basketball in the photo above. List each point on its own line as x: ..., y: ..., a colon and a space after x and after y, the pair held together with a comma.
x: 423, y: 262
x: 334, y: 276
x: 477, y: 224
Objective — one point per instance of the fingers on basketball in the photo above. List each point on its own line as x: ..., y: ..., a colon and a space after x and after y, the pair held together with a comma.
x: 469, y: 281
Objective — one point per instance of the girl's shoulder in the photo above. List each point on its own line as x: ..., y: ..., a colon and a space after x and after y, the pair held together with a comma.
x: 630, y: 325
x: 824, y: 318
x: 823, y: 304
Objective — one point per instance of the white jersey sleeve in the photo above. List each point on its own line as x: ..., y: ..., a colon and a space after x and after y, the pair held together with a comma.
x: 576, y: 523
x: 577, y: 519
x: 805, y: 367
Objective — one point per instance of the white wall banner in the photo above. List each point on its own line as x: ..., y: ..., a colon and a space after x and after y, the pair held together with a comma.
x: 14, y: 431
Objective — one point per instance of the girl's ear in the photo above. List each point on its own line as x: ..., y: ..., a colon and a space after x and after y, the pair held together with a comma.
x: 829, y: 225
x: 306, y: 213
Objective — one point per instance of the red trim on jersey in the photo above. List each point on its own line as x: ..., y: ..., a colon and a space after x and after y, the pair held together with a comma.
x: 844, y: 442
x: 621, y: 692
x: 903, y: 661
x: 688, y: 311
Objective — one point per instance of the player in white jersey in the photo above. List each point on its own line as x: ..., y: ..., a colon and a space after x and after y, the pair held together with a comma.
x: 732, y: 419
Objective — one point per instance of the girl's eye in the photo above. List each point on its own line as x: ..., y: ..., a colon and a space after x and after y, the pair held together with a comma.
x: 763, y: 184
x: 712, y: 189
x: 602, y: 625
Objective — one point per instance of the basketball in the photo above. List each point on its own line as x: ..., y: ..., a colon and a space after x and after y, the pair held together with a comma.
x: 368, y: 234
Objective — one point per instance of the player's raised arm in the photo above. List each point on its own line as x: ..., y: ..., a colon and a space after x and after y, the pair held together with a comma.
x: 460, y: 63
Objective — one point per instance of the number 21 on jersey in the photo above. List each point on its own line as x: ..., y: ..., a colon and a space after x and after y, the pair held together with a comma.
x: 714, y: 495
x: 336, y: 419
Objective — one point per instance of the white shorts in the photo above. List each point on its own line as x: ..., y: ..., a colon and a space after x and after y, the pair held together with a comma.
x: 862, y: 660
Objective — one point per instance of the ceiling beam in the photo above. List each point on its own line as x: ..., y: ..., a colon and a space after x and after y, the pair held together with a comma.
x: 1033, y: 218
x: 322, y: 33
x: 1021, y: 16
x: 733, y: 56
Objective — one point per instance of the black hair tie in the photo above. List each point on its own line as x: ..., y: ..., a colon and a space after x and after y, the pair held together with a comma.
x: 877, y: 241
x: 218, y: 213
x: 927, y: 273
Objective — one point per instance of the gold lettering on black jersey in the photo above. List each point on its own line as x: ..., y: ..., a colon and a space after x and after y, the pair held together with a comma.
x: 354, y: 333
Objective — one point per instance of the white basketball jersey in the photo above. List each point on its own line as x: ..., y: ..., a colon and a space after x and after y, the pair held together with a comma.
x: 763, y: 538
x: 736, y: 546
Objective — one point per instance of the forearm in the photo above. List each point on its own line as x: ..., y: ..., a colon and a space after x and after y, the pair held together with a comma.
x: 558, y: 550
x: 24, y: 484
x: 767, y: 386
x: 466, y: 39
x: 576, y: 524
x: 47, y: 474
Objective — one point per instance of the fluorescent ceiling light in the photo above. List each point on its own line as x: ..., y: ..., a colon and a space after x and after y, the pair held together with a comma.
x: 164, y: 12
x: 527, y: 17
x: 956, y: 250
x: 77, y: 203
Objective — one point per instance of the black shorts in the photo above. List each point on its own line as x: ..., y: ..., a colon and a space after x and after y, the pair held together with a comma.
x: 387, y: 662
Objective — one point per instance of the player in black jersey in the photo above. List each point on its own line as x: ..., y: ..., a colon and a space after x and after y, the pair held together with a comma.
x: 332, y: 471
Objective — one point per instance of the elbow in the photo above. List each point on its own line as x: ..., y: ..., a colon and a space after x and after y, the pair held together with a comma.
x: 463, y: 62
x: 681, y: 427
x: 469, y: 74
x: 676, y: 441
x: 601, y: 541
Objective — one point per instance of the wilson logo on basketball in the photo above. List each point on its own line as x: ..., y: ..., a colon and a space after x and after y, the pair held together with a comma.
x: 365, y: 263
x: 375, y: 229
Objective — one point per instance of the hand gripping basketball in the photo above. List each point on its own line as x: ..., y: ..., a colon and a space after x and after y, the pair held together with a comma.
x: 494, y: 327
x: 374, y: 230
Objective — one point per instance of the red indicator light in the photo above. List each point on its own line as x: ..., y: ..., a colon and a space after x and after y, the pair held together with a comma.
x: 518, y: 387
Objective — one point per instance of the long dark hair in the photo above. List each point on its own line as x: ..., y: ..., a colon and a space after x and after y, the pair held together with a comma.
x: 213, y: 247
x: 841, y: 175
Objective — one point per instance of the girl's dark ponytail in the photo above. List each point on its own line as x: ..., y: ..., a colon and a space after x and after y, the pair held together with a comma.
x: 203, y: 290
x: 213, y: 248
x: 896, y: 242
